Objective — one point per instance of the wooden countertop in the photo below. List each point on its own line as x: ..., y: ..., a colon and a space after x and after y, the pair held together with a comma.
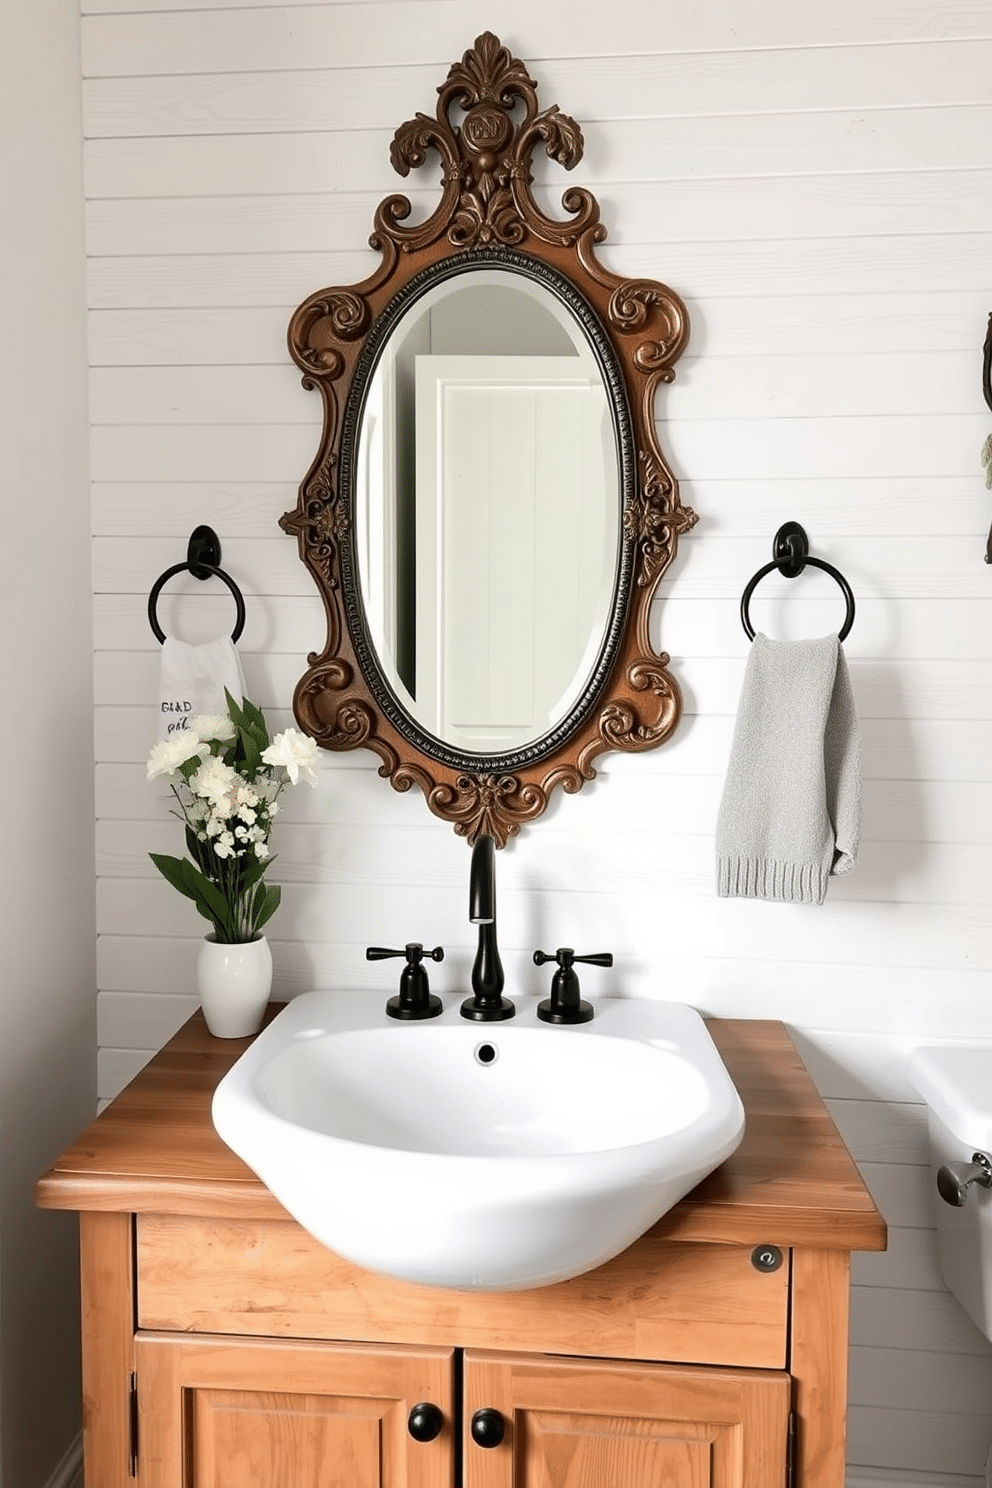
x: 791, y: 1181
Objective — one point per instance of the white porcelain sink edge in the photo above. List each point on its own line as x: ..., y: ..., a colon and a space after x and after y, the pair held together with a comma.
x: 482, y: 1219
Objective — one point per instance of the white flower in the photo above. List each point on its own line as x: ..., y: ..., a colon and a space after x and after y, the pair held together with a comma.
x: 296, y: 752
x: 213, y: 726
x: 221, y: 849
x: 213, y: 779
x: 169, y: 754
x: 261, y: 851
x: 247, y: 815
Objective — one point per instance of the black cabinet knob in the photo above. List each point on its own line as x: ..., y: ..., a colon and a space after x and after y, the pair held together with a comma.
x: 488, y: 1427
x: 425, y: 1422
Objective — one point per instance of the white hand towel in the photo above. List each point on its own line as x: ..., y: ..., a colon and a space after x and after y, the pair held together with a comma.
x: 193, y: 679
x: 791, y: 808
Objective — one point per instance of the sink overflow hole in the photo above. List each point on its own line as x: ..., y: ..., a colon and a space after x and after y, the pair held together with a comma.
x: 486, y: 1053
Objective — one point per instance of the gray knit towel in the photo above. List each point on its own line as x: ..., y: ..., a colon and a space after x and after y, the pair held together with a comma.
x: 791, y: 808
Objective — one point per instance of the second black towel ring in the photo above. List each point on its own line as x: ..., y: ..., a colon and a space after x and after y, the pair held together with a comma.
x: 203, y: 562
x: 791, y: 556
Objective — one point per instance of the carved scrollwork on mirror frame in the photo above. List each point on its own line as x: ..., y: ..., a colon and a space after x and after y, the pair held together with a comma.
x: 487, y: 217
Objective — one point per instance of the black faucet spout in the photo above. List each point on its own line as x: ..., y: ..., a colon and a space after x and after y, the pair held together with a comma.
x: 482, y: 882
x: 488, y: 1004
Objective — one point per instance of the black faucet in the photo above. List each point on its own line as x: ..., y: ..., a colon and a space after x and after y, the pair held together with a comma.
x: 488, y: 1005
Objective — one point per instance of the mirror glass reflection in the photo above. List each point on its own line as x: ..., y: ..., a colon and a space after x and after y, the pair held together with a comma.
x: 487, y: 510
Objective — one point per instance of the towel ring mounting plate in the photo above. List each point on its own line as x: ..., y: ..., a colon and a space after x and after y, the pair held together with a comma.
x: 203, y: 562
x: 790, y: 555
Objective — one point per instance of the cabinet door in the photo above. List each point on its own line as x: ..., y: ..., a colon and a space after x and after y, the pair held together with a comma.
x: 224, y: 1412
x: 587, y: 1423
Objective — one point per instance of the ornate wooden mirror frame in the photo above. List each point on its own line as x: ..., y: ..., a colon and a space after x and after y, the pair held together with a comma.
x: 488, y: 214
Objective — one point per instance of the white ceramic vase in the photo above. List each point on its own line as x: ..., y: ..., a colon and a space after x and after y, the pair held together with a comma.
x: 234, y: 982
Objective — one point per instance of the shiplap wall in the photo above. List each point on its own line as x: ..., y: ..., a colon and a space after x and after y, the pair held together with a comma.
x: 814, y: 181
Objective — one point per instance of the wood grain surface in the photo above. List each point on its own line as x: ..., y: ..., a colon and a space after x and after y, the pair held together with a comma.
x: 792, y: 1181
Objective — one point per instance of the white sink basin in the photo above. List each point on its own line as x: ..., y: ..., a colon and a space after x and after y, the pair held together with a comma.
x: 487, y: 1157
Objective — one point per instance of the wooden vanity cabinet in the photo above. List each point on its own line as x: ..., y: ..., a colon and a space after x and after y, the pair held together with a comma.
x: 215, y: 1412
x: 223, y: 1347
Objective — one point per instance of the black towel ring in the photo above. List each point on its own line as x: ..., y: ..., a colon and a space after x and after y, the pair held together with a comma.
x: 791, y: 556
x: 203, y: 562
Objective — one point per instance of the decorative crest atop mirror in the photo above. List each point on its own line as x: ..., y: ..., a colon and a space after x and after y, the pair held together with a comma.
x: 635, y: 330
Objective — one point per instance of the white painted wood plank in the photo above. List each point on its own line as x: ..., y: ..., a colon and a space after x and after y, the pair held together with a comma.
x: 799, y: 386
x: 706, y: 446
x: 926, y: 629
x: 937, y: 951
x: 923, y: 263
x: 903, y: 1192
x: 204, y: 395
x: 593, y: 88
x: 173, y: 508
x: 879, y: 569
x: 724, y: 556
x: 251, y: 280
x: 898, y: 1379
x: 827, y: 206
x: 883, y: 1131
x: 282, y: 624
x: 264, y: 39
x: 262, y: 567
x: 925, y: 749
x: 886, y: 873
x: 828, y: 323
x: 909, y: 626
x: 910, y: 1263
x: 951, y: 812
x: 709, y: 446
x: 927, y: 995
x: 268, y: 452
x: 221, y: 338
x: 882, y: 689
x: 921, y: 507
x: 898, y: 1319
x: 780, y: 611
x: 720, y: 147
x: 116, y: 1068
x: 128, y: 1019
x: 921, y: 1442
x: 793, y: 386
x: 704, y: 637
x: 847, y: 326
x: 861, y: 1066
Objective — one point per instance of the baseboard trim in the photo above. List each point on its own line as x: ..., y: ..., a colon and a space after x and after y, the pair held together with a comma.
x: 69, y: 1473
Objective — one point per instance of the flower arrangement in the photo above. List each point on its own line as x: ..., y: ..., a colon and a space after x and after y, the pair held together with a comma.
x: 231, y: 778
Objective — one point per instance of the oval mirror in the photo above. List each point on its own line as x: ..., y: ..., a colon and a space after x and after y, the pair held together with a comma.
x: 487, y: 498
x: 489, y: 513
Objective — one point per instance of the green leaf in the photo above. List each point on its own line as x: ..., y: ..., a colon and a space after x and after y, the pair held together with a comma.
x: 172, y: 870
x: 251, y: 752
x: 234, y: 711
x: 207, y: 893
x: 270, y: 903
x: 254, y: 717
